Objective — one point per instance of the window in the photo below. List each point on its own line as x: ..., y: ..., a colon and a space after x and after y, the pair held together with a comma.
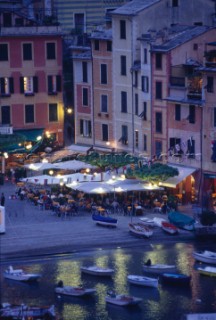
x: 28, y: 85
x: 122, y: 29
x: 192, y: 114
x: 51, y: 51
x: 175, y: 147
x: 145, y: 84
x: 124, y: 101
x: 135, y: 79
x: 195, y: 46
x: 177, y: 112
x: 158, y: 148
x: 145, y: 111
x: 29, y: 113
x: 123, y: 65
x: 85, y: 128
x: 54, y: 84
x: 158, y: 90
x: 109, y: 45
x: 158, y: 61
x: 3, y: 52
x: 103, y: 74
x: 5, y: 115
x: 124, y: 137
x: 136, y: 104
x: 144, y: 142
x: 191, y: 148
x: 104, y: 103
x: 27, y: 51
x: 105, y: 132
x: 96, y: 45
x: 210, y: 84
x: 136, y: 138
x: 214, y: 117
x: 145, y: 57
x: 6, y: 86
x: 85, y: 96
x: 79, y: 25
x: 53, y: 112
x: 84, y: 71
x: 158, y: 122
x: 175, y: 3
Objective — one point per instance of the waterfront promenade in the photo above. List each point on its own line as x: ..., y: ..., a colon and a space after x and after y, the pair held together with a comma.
x: 34, y: 232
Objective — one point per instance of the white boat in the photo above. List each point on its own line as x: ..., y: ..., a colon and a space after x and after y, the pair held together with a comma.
x: 20, y: 275
x: 147, y: 222
x: 142, y: 281
x: 205, y: 256
x: 169, y: 227
x: 24, y: 312
x: 73, y: 291
x: 97, y: 271
x: 159, y: 268
x: 158, y: 221
x: 122, y: 299
x: 140, y: 230
x: 199, y: 316
x: 207, y: 271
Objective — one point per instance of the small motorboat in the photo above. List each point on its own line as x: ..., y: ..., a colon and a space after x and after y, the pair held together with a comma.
x: 207, y: 271
x: 24, y: 312
x: 181, y: 220
x: 158, y: 221
x: 97, y: 271
x: 169, y: 227
x: 122, y: 299
x: 20, y: 275
x: 205, y: 256
x: 104, y: 220
x: 175, y: 279
x: 73, y: 291
x: 147, y: 222
x: 199, y: 316
x: 143, y: 281
x: 158, y: 268
x: 140, y: 230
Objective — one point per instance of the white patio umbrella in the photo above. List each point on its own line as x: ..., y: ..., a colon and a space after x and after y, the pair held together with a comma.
x: 73, y: 165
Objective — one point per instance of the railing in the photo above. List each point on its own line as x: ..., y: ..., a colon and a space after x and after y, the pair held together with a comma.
x: 6, y: 129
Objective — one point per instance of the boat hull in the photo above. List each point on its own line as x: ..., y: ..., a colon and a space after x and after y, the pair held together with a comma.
x: 123, y: 301
x: 143, y: 281
x: 169, y: 228
x: 140, y: 230
x: 104, y: 221
x: 20, y: 312
x: 175, y: 279
x: 207, y: 271
x: 205, y: 256
x: 97, y: 271
x: 181, y: 220
x: 159, y: 268
x: 74, y: 291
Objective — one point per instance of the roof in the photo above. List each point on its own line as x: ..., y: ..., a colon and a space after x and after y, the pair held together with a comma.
x: 176, y: 39
x: 105, y: 34
x: 134, y: 7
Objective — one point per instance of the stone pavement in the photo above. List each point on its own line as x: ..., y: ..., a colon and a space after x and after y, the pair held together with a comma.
x: 34, y: 232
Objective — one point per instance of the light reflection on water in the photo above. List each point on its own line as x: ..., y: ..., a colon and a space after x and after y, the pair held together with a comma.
x: 162, y: 303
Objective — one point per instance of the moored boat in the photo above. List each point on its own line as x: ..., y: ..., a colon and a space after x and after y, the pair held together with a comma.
x: 147, y: 222
x: 205, y: 256
x: 122, y: 299
x: 24, y: 312
x: 158, y: 268
x: 199, y: 316
x: 175, y: 279
x: 140, y: 230
x: 104, y: 220
x: 169, y: 227
x: 181, y: 220
x: 207, y: 271
x: 97, y: 271
x: 143, y: 281
x: 20, y: 275
x: 73, y: 291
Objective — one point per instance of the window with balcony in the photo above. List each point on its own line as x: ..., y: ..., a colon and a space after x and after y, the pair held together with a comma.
x: 7, y: 19
x: 3, y: 52
x: 51, y: 51
x: 191, y: 148
x: 158, y: 122
x: 79, y: 23
x: 85, y: 128
x: 6, y: 87
x: 5, y: 115
x: 122, y: 29
x: 84, y: 71
x: 27, y: 51
x: 136, y: 104
x: 124, y: 136
x: 96, y: 45
x: 123, y: 65
x: 177, y: 112
x: 175, y: 147
x: 105, y: 136
x: 29, y: 113
x: 158, y: 148
x: 28, y: 85
x: 53, y: 112
x: 158, y: 61
x: 85, y: 97
x: 145, y: 84
x: 109, y: 46
x: 136, y: 134
x: 103, y: 73
x: 145, y: 56
x: 158, y: 90
x: 54, y: 84
x: 104, y: 103
x: 135, y: 79
x: 210, y: 84
x: 192, y: 114
x: 124, y: 101
x: 144, y: 142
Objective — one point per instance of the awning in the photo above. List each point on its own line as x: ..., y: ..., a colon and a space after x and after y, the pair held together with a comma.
x: 31, y: 134
x: 184, y: 172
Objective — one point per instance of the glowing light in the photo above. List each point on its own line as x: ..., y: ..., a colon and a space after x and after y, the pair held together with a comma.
x: 38, y: 138
x: 51, y: 172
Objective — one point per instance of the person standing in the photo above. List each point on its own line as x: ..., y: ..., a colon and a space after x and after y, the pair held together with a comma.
x: 2, y: 200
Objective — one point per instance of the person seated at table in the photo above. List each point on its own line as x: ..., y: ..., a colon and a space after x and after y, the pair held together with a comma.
x: 115, y: 204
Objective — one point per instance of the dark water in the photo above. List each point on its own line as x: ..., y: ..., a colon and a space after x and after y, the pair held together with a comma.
x: 166, y: 302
